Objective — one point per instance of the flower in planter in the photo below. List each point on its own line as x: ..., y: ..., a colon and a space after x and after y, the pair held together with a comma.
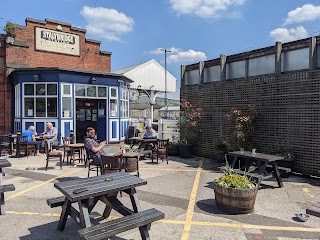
x: 234, y: 180
x: 189, y: 120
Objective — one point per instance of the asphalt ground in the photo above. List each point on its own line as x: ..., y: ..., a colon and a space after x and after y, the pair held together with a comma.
x: 182, y: 189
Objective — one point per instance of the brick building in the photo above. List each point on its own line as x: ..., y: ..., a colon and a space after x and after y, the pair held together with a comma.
x: 51, y: 72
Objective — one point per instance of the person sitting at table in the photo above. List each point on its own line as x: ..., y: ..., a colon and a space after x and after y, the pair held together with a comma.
x: 50, y: 135
x: 94, y: 148
x: 31, y: 136
x: 149, y: 133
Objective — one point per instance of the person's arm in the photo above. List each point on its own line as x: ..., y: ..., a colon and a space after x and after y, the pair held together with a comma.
x: 97, y: 149
x: 33, y: 137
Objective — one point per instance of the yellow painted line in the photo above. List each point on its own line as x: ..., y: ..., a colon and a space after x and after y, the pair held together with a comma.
x: 208, y: 224
x: 41, y: 184
x: 168, y: 169
x: 192, y: 202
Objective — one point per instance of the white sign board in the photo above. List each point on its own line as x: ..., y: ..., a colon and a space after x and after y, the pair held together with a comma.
x: 59, y: 42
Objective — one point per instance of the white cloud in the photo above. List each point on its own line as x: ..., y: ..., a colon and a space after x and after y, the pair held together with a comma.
x: 287, y: 35
x: 177, y: 55
x: 307, y: 12
x: 187, y: 56
x: 107, y: 23
x: 205, y: 8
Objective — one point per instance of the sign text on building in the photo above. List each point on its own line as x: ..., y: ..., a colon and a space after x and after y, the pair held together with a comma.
x: 55, y: 41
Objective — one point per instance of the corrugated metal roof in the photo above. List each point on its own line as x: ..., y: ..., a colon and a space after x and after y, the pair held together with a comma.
x: 127, y: 69
x: 142, y: 106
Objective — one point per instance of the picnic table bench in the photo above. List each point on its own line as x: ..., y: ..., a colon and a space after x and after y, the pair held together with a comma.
x: 141, y: 220
x: 87, y: 192
x: 4, y: 188
x: 314, y: 210
x: 260, y: 160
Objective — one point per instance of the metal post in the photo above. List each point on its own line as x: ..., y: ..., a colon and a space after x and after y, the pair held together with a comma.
x: 165, y: 83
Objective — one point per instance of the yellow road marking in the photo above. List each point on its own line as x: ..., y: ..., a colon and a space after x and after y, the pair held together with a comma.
x: 208, y: 224
x: 41, y: 184
x: 192, y: 202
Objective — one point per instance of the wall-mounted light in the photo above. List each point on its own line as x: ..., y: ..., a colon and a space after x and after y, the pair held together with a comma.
x: 87, y: 104
x: 93, y: 80
x: 120, y: 81
x: 36, y: 77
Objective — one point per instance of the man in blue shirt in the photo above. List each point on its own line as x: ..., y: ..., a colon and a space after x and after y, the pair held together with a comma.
x: 149, y: 133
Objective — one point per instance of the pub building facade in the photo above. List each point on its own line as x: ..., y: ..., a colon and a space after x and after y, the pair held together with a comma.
x: 51, y: 73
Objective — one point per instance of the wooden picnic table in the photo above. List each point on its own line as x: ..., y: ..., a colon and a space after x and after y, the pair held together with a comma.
x: 4, y: 188
x: 259, y: 159
x: 104, y: 188
x: 145, y: 145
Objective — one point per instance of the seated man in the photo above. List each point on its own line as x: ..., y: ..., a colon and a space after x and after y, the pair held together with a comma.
x: 51, y: 135
x: 31, y: 136
x: 149, y: 133
x: 94, y: 148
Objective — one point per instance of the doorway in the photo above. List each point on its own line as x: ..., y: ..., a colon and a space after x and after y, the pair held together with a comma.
x: 91, y: 113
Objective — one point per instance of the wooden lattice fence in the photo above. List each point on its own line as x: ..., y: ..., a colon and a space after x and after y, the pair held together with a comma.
x: 288, y: 107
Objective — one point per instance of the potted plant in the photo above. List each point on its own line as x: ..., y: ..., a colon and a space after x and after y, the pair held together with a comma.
x: 235, y: 193
x: 173, y: 147
x: 188, y: 122
x: 288, y: 160
x: 10, y: 29
x: 221, y: 149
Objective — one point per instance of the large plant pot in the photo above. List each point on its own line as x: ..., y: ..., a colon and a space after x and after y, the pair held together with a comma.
x: 173, y: 150
x: 235, y: 201
x: 185, y: 150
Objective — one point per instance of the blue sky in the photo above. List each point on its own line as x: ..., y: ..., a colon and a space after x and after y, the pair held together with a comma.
x: 195, y: 30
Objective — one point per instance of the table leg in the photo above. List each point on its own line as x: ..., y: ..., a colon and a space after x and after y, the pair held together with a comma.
x: 277, y: 173
x: 113, y: 203
x: 84, y: 214
x: 2, y: 209
x: 134, y: 200
x: 144, y: 233
x: 73, y: 157
x: 64, y: 214
x: 235, y: 159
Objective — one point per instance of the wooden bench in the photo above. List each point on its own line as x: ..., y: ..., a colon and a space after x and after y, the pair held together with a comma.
x: 56, y: 202
x: 3, y: 189
x: 314, y: 210
x: 7, y: 188
x: 284, y: 172
x: 140, y: 220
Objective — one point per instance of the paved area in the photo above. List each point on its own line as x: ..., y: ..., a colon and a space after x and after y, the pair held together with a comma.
x: 182, y: 190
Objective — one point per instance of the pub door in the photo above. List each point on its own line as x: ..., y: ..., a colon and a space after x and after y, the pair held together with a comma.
x: 90, y: 113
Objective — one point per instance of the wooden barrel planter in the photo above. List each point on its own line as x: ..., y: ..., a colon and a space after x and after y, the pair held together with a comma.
x: 234, y: 200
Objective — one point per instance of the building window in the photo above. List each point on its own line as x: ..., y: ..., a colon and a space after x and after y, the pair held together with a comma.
x: 17, y: 101
x: 40, y: 100
x: 124, y: 104
x: 90, y: 91
x: 113, y: 102
x: 66, y: 101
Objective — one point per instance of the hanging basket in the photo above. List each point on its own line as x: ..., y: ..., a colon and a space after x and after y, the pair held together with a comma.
x: 234, y: 200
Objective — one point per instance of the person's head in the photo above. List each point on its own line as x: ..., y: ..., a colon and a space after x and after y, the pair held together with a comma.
x: 32, y: 128
x: 91, y: 132
x: 49, y: 125
x: 148, y: 128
